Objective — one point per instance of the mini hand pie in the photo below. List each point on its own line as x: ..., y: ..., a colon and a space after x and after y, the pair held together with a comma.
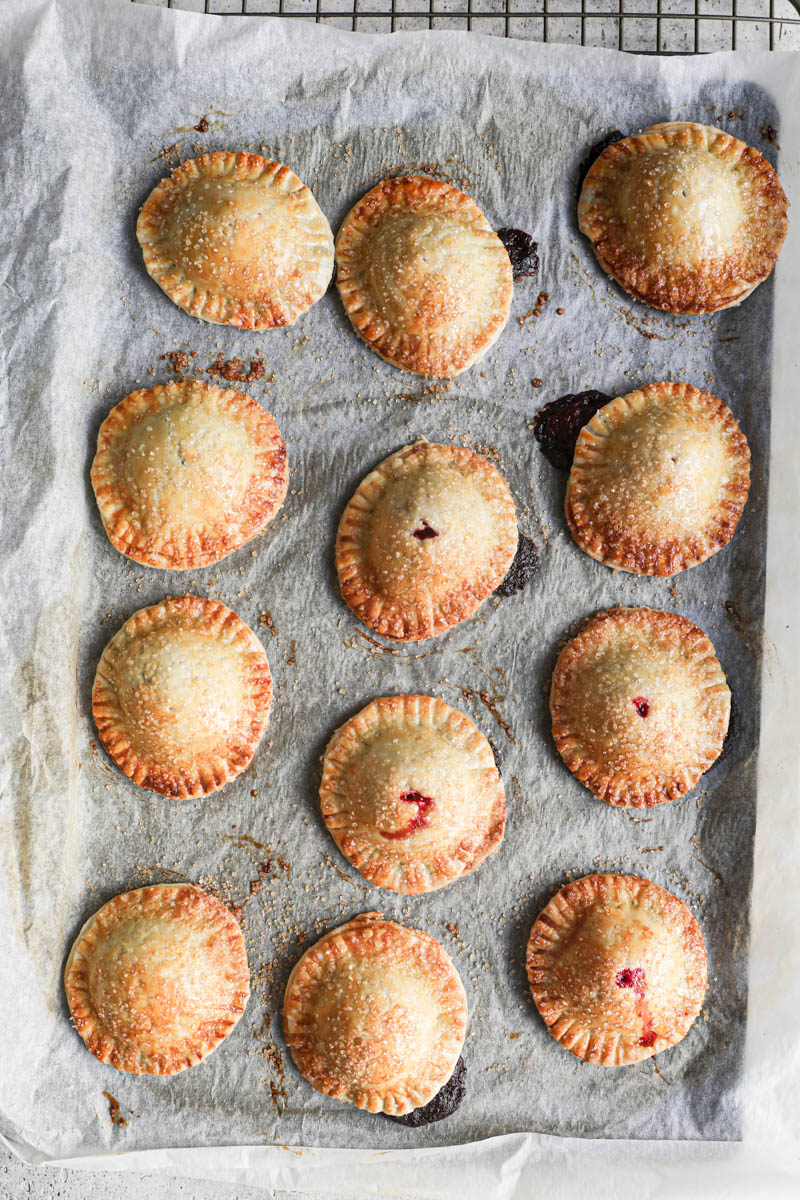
x: 375, y: 1014
x: 617, y: 968
x: 422, y: 276
x: 684, y: 217
x: 185, y: 474
x: 659, y: 480
x: 411, y: 793
x: 182, y: 696
x: 236, y: 239
x: 157, y: 978
x: 640, y: 706
x: 427, y: 537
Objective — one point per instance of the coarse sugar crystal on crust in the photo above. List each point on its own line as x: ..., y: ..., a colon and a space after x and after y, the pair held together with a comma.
x: 181, y: 696
x: 685, y: 217
x: 659, y: 480
x: 375, y: 1014
x: 236, y: 239
x: 411, y: 793
x: 639, y: 705
x: 157, y: 978
x: 427, y: 537
x: 423, y: 277
x: 617, y: 968
x: 186, y: 473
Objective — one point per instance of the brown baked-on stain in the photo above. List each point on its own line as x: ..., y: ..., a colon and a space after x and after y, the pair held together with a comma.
x: 770, y: 134
x: 265, y: 618
x: 178, y: 360
x: 241, y: 839
x: 114, y: 1111
x: 490, y: 703
x: 234, y: 370
x: 202, y: 125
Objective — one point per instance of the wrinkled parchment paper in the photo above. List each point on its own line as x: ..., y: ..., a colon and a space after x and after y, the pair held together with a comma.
x: 100, y: 99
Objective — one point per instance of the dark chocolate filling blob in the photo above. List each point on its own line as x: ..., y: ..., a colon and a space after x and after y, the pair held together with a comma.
x: 594, y: 153
x: 557, y: 425
x: 522, y: 250
x: 443, y: 1104
x: 522, y: 570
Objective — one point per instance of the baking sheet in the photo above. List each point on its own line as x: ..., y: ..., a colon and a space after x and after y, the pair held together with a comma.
x: 100, y: 100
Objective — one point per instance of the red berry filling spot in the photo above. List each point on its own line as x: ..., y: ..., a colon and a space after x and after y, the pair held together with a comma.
x: 641, y: 705
x: 424, y: 531
x: 633, y: 978
x: 418, y: 821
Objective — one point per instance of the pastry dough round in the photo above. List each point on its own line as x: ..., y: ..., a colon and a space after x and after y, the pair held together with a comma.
x: 236, y: 239
x: 427, y: 537
x: 186, y: 473
x: 182, y: 696
x: 422, y: 276
x: 375, y: 1014
x: 411, y: 793
x: 640, y: 706
x: 659, y: 480
x: 617, y: 968
x: 157, y: 978
x: 684, y: 217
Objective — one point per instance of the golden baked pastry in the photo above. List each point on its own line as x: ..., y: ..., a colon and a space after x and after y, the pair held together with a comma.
x: 617, y: 968
x: 236, y: 239
x: 422, y: 276
x: 375, y: 1014
x: 157, y: 978
x: 186, y: 473
x: 684, y: 217
x: 411, y: 793
x: 640, y: 706
x: 427, y: 537
x: 659, y: 480
x: 182, y: 696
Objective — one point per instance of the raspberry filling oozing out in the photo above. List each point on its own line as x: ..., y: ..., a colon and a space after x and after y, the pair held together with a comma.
x: 633, y: 978
x: 423, y: 531
x: 641, y: 705
x: 418, y: 821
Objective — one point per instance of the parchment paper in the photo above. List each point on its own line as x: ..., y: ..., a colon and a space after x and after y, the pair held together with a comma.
x: 99, y: 100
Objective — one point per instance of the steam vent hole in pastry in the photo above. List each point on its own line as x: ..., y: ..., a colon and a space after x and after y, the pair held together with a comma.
x: 236, y: 239
x: 427, y: 537
x: 157, y: 978
x: 182, y: 696
x: 422, y: 276
x: 411, y: 793
x: 186, y: 473
x: 639, y: 705
x: 617, y: 968
x: 684, y: 217
x: 659, y: 480
x: 375, y: 1014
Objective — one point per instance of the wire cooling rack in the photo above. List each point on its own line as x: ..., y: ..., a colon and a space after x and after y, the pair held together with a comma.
x: 642, y: 26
